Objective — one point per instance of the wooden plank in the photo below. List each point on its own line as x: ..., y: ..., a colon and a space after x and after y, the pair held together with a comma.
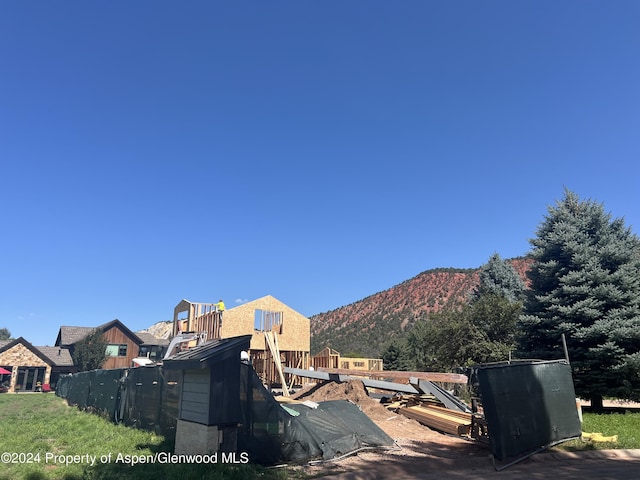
x: 275, y: 353
x: 306, y: 403
x: 398, y: 375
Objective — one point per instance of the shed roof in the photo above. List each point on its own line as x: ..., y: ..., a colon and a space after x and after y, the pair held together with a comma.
x: 204, y: 356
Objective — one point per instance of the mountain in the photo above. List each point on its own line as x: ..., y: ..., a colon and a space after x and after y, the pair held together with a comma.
x: 364, y: 328
x: 162, y: 329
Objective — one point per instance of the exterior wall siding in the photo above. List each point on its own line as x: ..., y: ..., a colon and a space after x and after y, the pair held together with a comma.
x: 20, y: 356
x: 194, y: 404
x: 117, y: 337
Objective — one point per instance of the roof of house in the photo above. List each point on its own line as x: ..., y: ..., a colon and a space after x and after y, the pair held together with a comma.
x: 35, y: 350
x: 149, y: 339
x: 60, y: 357
x: 70, y: 335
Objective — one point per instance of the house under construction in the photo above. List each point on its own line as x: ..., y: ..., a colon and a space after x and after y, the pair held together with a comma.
x: 328, y: 358
x: 280, y: 335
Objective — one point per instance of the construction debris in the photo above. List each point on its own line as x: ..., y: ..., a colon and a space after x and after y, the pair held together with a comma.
x: 422, y: 400
x: 439, y: 418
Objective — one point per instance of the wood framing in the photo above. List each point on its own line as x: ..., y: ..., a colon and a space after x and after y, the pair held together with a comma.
x: 197, y: 317
x: 290, y: 329
x: 326, y: 358
x: 330, y: 358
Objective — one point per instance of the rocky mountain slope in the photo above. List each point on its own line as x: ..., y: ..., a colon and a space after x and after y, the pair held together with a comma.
x: 365, y: 327
x: 162, y: 329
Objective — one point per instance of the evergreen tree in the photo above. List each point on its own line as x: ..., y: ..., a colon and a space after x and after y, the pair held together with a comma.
x: 585, y: 283
x: 5, y: 334
x: 450, y: 339
x: 497, y: 318
x: 396, y: 356
x: 90, y: 352
x: 498, y: 277
x: 496, y: 305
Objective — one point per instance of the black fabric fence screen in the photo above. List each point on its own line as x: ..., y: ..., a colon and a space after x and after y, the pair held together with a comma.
x: 145, y: 398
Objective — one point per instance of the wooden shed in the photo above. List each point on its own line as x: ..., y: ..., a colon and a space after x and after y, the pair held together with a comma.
x: 209, y: 408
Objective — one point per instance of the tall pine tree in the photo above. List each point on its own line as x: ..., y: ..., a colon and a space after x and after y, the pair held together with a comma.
x: 585, y: 283
x: 498, y: 277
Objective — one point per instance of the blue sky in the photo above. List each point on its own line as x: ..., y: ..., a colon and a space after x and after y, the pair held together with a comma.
x: 319, y: 152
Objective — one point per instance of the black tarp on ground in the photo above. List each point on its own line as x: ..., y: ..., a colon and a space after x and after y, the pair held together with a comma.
x: 339, y: 427
x: 528, y: 405
x: 271, y: 435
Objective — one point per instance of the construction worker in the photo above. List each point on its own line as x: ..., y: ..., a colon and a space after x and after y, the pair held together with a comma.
x: 220, y: 309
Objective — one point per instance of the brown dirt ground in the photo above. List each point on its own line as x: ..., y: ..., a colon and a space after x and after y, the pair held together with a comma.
x: 412, y: 438
x: 422, y: 453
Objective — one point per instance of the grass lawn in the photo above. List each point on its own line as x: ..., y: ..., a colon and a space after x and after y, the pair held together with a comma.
x: 41, y: 432
x: 625, y: 425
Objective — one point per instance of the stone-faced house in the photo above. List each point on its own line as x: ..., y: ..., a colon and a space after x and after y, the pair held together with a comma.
x: 122, y: 344
x: 31, y: 366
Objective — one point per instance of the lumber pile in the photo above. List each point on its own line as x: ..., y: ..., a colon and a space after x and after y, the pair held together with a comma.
x: 427, y: 410
x: 440, y: 418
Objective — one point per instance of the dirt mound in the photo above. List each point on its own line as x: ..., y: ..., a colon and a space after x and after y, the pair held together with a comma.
x: 353, y: 391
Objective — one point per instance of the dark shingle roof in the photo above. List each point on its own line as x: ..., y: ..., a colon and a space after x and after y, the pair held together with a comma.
x: 60, y: 357
x: 149, y: 339
x: 71, y: 335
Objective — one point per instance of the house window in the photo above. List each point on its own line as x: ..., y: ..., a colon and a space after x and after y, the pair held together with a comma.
x: 154, y: 352
x: 117, y: 350
x: 358, y: 364
x: 265, y: 321
x: 29, y: 377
